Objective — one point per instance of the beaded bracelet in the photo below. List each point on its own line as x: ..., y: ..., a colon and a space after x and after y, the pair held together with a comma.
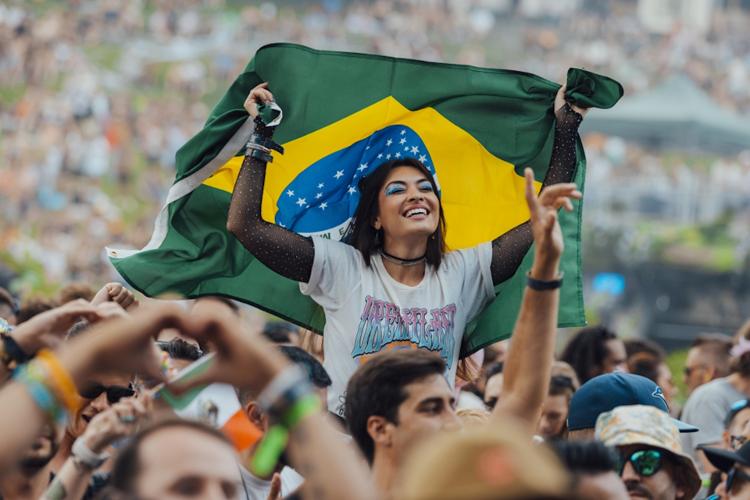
x: 61, y: 381
x: 34, y: 379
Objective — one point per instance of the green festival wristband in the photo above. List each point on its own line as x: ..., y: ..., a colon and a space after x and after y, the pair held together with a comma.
x: 275, y: 441
x: 305, y: 406
x: 270, y: 449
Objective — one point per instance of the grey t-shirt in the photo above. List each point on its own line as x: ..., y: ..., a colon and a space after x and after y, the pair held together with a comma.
x: 368, y: 311
x: 706, y: 409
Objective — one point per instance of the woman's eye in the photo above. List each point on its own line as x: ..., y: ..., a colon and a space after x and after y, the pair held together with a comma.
x: 425, y: 186
x: 394, y: 189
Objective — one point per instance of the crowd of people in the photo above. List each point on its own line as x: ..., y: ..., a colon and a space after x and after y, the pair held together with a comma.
x: 106, y: 394
x: 83, y: 416
x: 97, y: 96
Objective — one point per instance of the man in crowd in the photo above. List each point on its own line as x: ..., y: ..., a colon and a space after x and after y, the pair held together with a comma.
x: 555, y: 407
x: 653, y: 463
x: 736, y: 466
x: 606, y: 392
x: 708, y: 359
x: 493, y: 387
x: 594, y: 470
x: 177, y: 459
x: 594, y: 350
x: 32, y: 475
x: 393, y: 401
x: 258, y: 488
x: 708, y: 405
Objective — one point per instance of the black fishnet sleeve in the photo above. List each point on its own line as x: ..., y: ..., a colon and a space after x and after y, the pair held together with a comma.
x: 283, y: 251
x: 509, y: 249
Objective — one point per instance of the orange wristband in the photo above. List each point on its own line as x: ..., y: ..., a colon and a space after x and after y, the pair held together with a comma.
x: 60, y: 380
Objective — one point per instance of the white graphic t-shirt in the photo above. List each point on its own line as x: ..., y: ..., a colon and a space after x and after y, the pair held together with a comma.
x: 367, y: 311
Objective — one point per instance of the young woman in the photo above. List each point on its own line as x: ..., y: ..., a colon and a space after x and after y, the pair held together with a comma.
x: 394, y: 285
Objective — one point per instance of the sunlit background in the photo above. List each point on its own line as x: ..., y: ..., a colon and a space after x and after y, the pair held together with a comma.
x: 96, y: 97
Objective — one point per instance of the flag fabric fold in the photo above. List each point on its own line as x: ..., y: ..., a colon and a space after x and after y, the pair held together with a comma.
x: 476, y: 129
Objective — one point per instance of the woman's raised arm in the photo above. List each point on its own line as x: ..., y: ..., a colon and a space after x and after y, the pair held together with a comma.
x: 283, y: 251
x: 509, y: 249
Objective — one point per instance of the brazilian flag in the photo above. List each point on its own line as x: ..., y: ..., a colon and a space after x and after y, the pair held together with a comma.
x: 476, y: 129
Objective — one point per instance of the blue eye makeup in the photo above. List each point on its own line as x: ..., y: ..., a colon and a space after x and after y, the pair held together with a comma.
x: 425, y: 186
x: 394, y: 188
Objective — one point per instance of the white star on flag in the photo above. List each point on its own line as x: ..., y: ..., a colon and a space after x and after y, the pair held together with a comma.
x: 423, y: 158
x: 301, y: 201
x: 318, y: 196
x: 380, y: 155
x: 290, y: 193
x: 398, y: 155
x: 389, y: 142
x: 323, y: 205
x: 402, y: 141
x: 414, y: 150
x: 388, y: 156
x: 352, y: 190
x: 320, y: 186
x: 403, y: 131
x: 406, y: 148
x: 362, y: 166
x: 339, y: 174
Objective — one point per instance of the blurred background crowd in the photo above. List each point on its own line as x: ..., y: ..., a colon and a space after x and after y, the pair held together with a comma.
x: 96, y: 97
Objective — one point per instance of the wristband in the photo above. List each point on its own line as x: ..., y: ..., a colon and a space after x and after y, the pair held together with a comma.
x: 277, y: 392
x: 61, y: 381
x: 542, y: 285
x: 260, y: 145
x: 274, y: 442
x: 13, y: 350
x: 33, y: 378
x: 86, y: 455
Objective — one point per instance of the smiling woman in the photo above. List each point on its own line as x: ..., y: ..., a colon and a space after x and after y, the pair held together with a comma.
x: 395, y: 285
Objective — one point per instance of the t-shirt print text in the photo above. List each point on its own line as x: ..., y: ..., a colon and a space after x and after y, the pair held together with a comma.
x: 383, y: 323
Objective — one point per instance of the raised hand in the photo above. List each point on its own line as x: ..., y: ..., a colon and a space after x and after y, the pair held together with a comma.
x: 118, y: 421
x: 49, y: 328
x: 259, y: 94
x: 560, y: 102
x: 243, y: 359
x: 544, y: 224
x: 115, y: 292
x: 122, y: 346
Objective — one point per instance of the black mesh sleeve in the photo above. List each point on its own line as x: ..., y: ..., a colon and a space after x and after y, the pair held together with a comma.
x: 509, y: 249
x: 285, y: 252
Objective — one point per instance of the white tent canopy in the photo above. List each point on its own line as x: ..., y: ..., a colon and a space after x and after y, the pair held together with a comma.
x: 674, y: 115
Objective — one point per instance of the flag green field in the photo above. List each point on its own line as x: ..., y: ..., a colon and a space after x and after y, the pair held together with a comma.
x: 476, y: 129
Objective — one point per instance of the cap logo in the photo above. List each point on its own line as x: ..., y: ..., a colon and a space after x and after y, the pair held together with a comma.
x: 659, y: 394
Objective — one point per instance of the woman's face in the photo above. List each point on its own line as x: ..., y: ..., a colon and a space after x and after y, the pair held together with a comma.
x: 407, y: 205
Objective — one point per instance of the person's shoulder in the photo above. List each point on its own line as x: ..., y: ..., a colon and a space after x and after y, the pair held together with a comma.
x: 455, y: 258
x: 337, y: 248
x: 714, y: 390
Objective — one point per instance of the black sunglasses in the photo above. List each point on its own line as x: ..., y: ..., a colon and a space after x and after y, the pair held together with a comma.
x: 114, y: 392
x: 736, y: 477
x: 645, y: 462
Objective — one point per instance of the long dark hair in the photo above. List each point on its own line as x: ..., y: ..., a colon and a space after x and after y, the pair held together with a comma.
x: 587, y: 351
x: 361, y: 233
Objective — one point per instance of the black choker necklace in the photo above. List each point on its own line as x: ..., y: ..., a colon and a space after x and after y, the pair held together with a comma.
x: 400, y: 261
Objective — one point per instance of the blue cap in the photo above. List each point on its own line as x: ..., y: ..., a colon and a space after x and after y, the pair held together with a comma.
x: 606, y: 392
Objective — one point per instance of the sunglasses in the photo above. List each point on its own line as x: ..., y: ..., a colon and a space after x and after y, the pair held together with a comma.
x: 736, y: 478
x: 114, y: 392
x: 645, y: 462
x: 737, y: 441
